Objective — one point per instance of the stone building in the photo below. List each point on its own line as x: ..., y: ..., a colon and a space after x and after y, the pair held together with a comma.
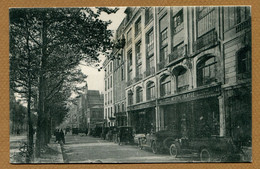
x: 88, y: 112
x: 186, y: 67
x: 109, y: 116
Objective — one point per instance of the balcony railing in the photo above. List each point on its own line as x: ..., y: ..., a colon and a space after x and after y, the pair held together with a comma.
x: 138, y: 77
x: 161, y: 64
x: 207, y: 40
x: 178, y: 28
x: 149, y: 71
x: 129, y: 82
x: 243, y: 25
x: 177, y: 53
x: 183, y: 88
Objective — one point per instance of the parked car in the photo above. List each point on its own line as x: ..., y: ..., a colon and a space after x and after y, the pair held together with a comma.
x: 208, y: 149
x: 158, y: 141
x: 138, y: 137
x: 125, y: 135
x: 111, y: 131
x: 96, y: 132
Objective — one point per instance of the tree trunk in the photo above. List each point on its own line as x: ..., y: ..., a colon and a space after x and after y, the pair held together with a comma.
x: 41, y: 122
x: 29, y: 122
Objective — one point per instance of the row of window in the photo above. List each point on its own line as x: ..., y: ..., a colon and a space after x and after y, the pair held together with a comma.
x: 108, y: 83
x: 108, y: 98
x: 206, y: 74
x: 206, y: 21
x: 109, y: 69
x: 119, y: 108
x: 108, y: 112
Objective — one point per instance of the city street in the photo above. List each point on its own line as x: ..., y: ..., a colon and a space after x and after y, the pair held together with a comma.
x: 87, y: 149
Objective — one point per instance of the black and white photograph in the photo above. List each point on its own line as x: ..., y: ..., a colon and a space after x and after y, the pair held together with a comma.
x: 164, y: 84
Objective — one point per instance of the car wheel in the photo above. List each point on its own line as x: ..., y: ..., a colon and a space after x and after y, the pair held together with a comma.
x: 205, y: 155
x: 174, y: 150
x: 154, y: 148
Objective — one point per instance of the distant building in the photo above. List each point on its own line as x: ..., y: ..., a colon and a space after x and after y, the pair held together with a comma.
x: 89, y: 110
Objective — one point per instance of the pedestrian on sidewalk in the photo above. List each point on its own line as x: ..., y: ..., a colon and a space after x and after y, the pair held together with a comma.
x: 57, y: 135
x: 62, y: 136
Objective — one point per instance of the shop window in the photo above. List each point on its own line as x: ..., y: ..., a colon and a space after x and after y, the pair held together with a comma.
x: 165, y: 86
x: 206, y: 71
x: 139, y: 95
x: 182, y: 80
x: 150, y: 91
x: 244, y: 63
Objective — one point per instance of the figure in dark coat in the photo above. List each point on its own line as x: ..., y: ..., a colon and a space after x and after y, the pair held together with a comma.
x: 62, y: 138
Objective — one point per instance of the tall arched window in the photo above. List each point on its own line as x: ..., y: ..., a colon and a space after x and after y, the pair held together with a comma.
x: 206, y: 71
x: 165, y: 86
x: 139, y: 95
x: 130, y: 97
x: 150, y: 91
x: 244, y: 63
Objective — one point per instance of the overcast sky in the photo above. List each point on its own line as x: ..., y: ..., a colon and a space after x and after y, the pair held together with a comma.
x: 95, y: 78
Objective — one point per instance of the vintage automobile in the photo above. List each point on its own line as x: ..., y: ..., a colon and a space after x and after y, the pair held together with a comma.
x: 111, y: 131
x: 208, y: 149
x: 138, y: 137
x: 96, y: 132
x: 158, y: 141
x: 125, y: 135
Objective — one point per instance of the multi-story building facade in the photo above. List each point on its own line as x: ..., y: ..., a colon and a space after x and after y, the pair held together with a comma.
x: 119, y: 82
x: 188, y: 68
x: 109, y: 116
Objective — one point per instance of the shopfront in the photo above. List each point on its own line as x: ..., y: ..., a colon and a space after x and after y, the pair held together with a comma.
x: 194, y: 113
x: 238, y: 107
x: 142, y: 117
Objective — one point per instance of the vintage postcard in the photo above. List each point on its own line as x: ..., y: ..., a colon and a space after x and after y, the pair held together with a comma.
x: 151, y: 84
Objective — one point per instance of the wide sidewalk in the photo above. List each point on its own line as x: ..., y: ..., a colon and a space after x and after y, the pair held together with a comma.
x: 52, y: 153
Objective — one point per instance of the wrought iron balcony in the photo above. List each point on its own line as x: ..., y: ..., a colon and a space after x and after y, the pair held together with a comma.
x: 205, y: 41
x: 120, y: 44
x: 177, y: 53
x: 178, y: 28
x: 129, y: 82
x: 138, y: 77
x: 149, y: 71
x: 161, y: 64
x: 243, y: 25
